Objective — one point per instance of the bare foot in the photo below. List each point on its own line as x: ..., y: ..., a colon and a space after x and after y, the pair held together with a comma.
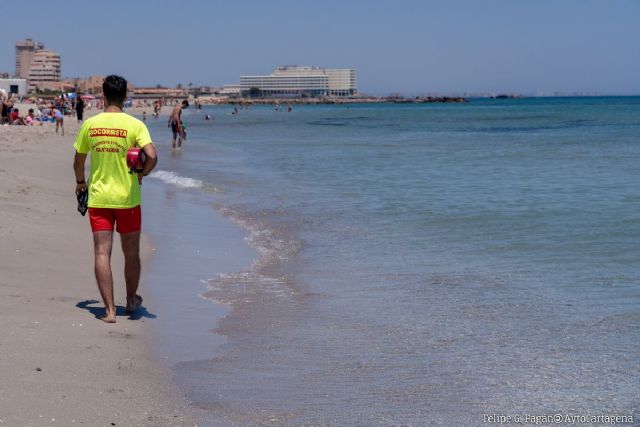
x: 108, y: 318
x: 134, y: 304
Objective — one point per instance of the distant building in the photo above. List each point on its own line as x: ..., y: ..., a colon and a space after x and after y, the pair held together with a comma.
x: 230, y: 90
x: 14, y: 86
x: 91, y: 84
x: 39, y: 65
x: 295, y: 81
x: 24, y: 55
x: 44, y: 69
x: 207, y: 90
x: 157, y: 92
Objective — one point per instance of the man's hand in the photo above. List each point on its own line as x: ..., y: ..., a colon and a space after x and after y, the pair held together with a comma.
x: 78, y: 169
x: 151, y: 159
x: 81, y: 187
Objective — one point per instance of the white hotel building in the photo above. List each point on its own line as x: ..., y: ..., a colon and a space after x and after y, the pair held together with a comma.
x: 293, y: 80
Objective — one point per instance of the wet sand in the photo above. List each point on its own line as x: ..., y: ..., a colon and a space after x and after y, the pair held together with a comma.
x: 60, y: 365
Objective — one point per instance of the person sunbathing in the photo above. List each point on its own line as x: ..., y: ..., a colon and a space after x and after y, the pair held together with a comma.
x: 29, y: 118
x: 15, y: 118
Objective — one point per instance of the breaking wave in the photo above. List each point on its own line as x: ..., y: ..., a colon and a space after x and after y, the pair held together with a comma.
x: 173, y: 178
x: 258, y: 283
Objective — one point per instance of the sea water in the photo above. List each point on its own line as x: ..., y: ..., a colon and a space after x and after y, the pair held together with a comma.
x: 418, y: 264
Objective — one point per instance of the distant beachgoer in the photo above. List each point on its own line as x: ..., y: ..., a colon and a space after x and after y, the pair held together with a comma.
x: 175, y: 123
x: 59, y: 119
x: 15, y: 115
x: 207, y: 117
x: 30, y: 118
x: 3, y: 112
x: 79, y: 108
x: 235, y: 110
x: 114, y: 199
x: 15, y: 118
x: 44, y: 113
x: 6, y: 110
x: 289, y: 108
x: 144, y: 116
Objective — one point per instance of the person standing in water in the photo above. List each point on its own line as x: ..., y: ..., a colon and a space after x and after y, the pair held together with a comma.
x: 175, y: 123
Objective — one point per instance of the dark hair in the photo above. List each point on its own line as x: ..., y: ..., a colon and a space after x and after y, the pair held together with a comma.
x: 114, y: 89
x: 185, y: 103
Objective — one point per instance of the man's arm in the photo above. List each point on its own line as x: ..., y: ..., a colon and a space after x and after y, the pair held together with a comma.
x: 151, y: 160
x: 78, y: 169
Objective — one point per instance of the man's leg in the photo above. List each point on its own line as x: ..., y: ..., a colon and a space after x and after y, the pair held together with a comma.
x: 102, y: 243
x: 131, y: 251
x: 181, y: 136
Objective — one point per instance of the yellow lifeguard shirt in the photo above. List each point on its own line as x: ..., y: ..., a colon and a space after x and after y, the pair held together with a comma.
x: 108, y: 136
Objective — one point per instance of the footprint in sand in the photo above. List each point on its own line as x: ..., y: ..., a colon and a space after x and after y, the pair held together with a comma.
x: 117, y: 334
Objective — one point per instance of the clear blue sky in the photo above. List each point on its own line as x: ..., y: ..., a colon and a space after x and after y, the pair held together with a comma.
x: 405, y: 46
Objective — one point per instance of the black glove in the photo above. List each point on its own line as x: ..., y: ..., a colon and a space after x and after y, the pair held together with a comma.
x: 83, y: 200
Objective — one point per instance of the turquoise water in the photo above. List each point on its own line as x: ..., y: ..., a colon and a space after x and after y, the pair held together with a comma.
x: 421, y: 264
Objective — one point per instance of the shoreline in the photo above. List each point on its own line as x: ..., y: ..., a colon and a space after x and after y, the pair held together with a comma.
x: 66, y: 365
x: 186, y: 255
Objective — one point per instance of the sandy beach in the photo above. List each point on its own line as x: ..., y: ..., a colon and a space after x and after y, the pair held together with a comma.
x: 62, y: 366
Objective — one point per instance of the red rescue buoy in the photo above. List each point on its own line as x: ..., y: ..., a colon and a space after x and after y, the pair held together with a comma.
x: 135, y: 160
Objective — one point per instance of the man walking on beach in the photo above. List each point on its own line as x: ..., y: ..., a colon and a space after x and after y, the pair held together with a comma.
x: 114, y: 193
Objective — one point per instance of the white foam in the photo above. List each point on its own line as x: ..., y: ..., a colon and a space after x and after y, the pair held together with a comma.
x: 171, y: 177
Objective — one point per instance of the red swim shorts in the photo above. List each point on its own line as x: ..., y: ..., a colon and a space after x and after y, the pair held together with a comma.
x: 126, y: 220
